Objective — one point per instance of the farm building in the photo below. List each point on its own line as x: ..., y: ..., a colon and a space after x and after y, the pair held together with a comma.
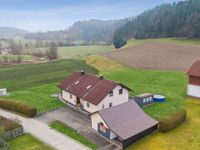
x: 144, y: 99
x: 194, y: 80
x: 91, y: 93
x: 127, y: 122
x: 3, y: 92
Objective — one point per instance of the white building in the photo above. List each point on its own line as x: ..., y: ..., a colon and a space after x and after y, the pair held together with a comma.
x: 92, y: 93
x: 3, y: 92
x: 193, y: 89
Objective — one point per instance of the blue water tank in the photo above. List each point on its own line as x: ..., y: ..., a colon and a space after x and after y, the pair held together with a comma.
x: 159, y: 98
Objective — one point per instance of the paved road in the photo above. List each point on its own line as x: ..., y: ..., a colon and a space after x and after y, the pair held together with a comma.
x: 78, y: 121
x: 45, y: 134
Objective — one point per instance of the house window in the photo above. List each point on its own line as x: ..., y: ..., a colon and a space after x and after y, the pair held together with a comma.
x: 88, y: 104
x: 110, y: 104
x: 103, y: 106
x: 121, y: 91
x: 70, y: 96
x: 144, y: 100
x: 111, y: 93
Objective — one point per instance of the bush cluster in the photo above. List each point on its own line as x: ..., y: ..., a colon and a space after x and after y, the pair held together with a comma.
x: 173, y: 121
x: 19, y: 107
x: 7, y: 124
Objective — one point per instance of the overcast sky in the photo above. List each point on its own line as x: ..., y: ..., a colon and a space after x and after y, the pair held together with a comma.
x: 44, y: 15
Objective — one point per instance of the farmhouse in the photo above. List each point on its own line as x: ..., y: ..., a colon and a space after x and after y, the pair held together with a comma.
x: 194, y: 80
x: 127, y: 122
x: 92, y: 93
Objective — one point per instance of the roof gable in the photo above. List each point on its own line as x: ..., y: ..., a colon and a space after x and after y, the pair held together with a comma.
x: 127, y: 119
x: 88, y: 87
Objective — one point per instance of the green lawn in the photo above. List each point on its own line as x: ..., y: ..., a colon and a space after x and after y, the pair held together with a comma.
x: 15, y: 57
x: 134, y: 42
x: 78, y: 52
x: 170, y: 84
x: 61, y: 127
x: 27, y: 142
x: 34, y: 83
x: 184, y: 137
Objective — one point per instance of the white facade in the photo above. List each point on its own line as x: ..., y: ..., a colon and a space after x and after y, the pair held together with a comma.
x: 114, y: 100
x: 193, y: 90
x: 96, y: 119
x: 3, y: 92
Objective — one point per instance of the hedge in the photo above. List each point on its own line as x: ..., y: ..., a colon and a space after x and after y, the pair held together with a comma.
x: 172, y: 122
x: 19, y: 107
x: 8, y: 124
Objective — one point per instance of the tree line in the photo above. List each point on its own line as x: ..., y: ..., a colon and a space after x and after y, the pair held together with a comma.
x: 180, y: 19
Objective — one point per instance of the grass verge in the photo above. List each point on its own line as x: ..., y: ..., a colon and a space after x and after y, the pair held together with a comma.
x: 61, y: 127
x: 27, y: 142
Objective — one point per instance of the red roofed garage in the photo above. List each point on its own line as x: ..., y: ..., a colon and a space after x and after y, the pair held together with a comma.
x: 194, y: 80
x: 126, y: 122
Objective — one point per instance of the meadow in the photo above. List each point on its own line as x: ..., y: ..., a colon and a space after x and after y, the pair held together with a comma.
x: 168, y: 83
x: 78, y: 52
x: 35, y: 83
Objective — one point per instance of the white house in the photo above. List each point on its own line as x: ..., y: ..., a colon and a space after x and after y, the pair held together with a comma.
x: 92, y: 93
x: 126, y: 122
x: 193, y: 89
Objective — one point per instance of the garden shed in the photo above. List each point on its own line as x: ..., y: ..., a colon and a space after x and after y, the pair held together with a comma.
x: 144, y: 99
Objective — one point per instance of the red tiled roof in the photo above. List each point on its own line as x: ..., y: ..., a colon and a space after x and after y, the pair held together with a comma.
x: 88, y: 87
x: 127, y: 119
x: 194, y: 69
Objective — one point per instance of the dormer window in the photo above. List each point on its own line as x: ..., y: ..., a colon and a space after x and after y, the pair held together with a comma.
x: 89, y: 86
x: 120, y: 91
x: 111, y: 93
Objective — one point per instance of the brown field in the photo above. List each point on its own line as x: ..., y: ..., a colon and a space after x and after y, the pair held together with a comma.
x: 157, y: 56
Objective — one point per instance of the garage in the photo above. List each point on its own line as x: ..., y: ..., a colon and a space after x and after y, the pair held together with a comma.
x: 126, y: 122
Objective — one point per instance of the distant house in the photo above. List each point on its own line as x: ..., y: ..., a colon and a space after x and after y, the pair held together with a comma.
x: 193, y: 73
x: 127, y: 122
x: 92, y: 93
x: 5, y: 51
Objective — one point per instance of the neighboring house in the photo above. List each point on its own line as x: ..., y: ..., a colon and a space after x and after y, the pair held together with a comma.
x: 126, y: 122
x: 92, y: 93
x: 5, y: 51
x: 194, y: 80
x: 144, y: 99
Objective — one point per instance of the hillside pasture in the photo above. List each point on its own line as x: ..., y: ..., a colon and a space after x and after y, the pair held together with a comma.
x: 35, y: 83
x: 146, y: 81
x: 157, y: 56
x: 79, y: 52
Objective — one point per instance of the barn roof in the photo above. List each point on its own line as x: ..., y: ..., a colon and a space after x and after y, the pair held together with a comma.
x: 194, y: 70
x: 88, y: 87
x: 127, y: 120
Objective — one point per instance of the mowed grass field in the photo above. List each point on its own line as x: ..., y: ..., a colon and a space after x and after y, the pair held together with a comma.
x: 27, y: 142
x: 79, y: 52
x: 171, y: 84
x: 35, y: 83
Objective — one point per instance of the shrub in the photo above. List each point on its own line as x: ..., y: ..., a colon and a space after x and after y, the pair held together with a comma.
x: 8, y: 124
x: 172, y: 122
x: 18, y: 107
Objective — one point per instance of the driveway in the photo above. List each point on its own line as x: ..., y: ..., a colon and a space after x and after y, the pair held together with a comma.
x: 79, y: 122
x: 47, y: 135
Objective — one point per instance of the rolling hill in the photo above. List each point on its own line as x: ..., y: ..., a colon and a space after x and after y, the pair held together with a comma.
x: 9, y: 32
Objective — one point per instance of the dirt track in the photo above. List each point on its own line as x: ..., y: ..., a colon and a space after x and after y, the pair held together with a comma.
x: 157, y: 56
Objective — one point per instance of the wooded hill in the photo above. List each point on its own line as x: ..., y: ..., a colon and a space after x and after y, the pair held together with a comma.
x: 180, y: 19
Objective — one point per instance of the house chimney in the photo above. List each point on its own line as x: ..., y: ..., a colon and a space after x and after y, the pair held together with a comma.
x: 82, y: 72
x: 101, y: 77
